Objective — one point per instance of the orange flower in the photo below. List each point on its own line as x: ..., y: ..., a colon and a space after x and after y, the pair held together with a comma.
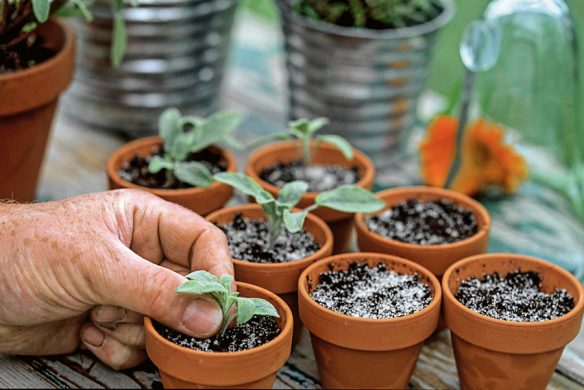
x: 486, y: 161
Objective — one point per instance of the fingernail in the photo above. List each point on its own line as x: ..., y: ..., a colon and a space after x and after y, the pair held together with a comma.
x: 93, y: 336
x: 110, y: 314
x: 202, y: 318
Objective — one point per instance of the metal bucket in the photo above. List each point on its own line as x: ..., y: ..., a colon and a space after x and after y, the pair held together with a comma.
x: 175, y: 57
x: 367, y: 82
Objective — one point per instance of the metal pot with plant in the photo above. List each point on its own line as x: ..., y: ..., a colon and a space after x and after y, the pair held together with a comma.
x: 324, y: 162
x: 178, y: 164
x: 363, y: 63
x: 36, y: 66
x: 272, y: 242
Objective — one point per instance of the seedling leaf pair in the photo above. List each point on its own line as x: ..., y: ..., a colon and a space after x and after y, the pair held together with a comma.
x: 205, y: 283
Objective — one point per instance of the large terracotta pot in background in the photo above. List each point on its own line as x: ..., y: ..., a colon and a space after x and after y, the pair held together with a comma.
x: 28, y: 99
x: 282, y: 152
x: 436, y: 258
x: 200, y: 200
x: 495, y: 354
x: 280, y: 278
x: 255, y: 368
x: 368, y: 353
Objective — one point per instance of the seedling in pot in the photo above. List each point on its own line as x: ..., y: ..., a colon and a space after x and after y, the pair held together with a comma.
x: 304, y: 131
x: 202, y: 282
x: 183, y: 135
x: 346, y: 198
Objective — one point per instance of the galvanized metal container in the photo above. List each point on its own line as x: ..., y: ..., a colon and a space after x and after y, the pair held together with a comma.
x: 175, y: 57
x: 367, y: 82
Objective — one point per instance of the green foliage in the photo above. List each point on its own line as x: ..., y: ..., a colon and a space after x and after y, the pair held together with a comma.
x: 304, y: 131
x: 178, y: 144
x: 347, y: 198
x: 375, y: 14
x: 202, y: 283
x: 19, y: 19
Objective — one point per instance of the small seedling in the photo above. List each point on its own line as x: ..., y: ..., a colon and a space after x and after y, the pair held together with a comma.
x: 304, y: 131
x: 346, y: 198
x: 178, y: 144
x: 203, y: 282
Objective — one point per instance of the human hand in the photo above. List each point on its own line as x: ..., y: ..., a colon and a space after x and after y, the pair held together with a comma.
x: 83, y: 271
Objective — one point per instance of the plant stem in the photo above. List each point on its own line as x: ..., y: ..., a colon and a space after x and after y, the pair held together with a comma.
x: 170, y: 178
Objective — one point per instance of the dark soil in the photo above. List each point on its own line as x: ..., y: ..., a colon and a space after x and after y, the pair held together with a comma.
x: 425, y: 223
x: 258, y: 331
x: 248, y: 240
x: 136, y: 170
x: 516, y: 297
x: 26, y: 54
x: 361, y: 291
x: 319, y: 177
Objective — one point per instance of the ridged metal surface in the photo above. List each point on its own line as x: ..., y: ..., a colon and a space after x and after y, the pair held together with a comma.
x: 175, y: 57
x: 367, y: 82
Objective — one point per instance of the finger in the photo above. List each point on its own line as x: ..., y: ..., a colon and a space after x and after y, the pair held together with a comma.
x: 111, y: 316
x: 109, y: 350
x: 175, y: 267
x: 161, y: 229
x: 131, y: 335
x: 149, y: 289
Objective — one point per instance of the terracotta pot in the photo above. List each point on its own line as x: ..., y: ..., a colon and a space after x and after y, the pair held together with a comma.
x: 366, y: 353
x: 340, y: 223
x: 28, y: 99
x: 496, y: 354
x: 201, y: 200
x: 256, y: 368
x: 436, y: 258
x: 279, y: 278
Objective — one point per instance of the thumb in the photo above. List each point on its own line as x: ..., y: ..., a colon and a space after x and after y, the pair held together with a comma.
x: 144, y: 287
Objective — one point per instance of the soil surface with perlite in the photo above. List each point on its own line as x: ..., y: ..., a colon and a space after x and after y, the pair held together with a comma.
x: 248, y: 240
x: 515, y: 297
x: 371, y: 292
x: 425, y: 223
x: 258, y: 331
x: 319, y: 177
x: 136, y: 170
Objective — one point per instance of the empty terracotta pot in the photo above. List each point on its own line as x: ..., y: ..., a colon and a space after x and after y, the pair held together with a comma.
x: 436, y: 258
x: 185, y: 368
x: 496, y: 354
x: 366, y: 353
x: 28, y: 99
x: 200, y: 200
x: 279, y: 278
x: 340, y: 223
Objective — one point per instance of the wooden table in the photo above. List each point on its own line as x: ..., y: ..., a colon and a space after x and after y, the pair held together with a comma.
x: 75, y: 165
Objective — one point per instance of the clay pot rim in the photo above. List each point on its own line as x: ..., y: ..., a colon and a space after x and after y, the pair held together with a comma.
x: 128, y: 150
x: 285, y: 332
x: 497, y: 323
x: 356, y: 256
x: 466, y: 201
x: 54, y: 61
x: 368, y: 174
x: 326, y: 246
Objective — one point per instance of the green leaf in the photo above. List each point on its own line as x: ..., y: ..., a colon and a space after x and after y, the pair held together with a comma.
x: 264, y: 308
x: 213, y: 130
x: 197, y: 287
x: 242, y: 183
x: 227, y: 281
x: 232, y: 143
x: 157, y: 164
x: 339, y: 142
x: 181, y: 146
x: 316, y: 124
x: 268, y: 138
x: 294, y: 222
x: 350, y: 199
x: 75, y: 9
x: 41, y: 10
x: 119, y: 37
x: 300, y: 128
x: 193, y: 173
x: 291, y: 193
x: 202, y: 276
x: 169, y: 128
x: 245, y: 310
x: 83, y: 9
